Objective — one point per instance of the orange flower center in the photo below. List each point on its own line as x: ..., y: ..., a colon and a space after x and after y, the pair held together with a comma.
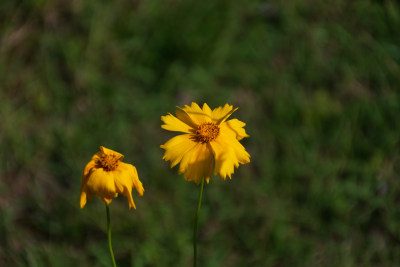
x: 108, y: 162
x: 207, y: 132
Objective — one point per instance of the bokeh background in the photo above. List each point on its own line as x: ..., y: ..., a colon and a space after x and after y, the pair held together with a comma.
x: 317, y: 83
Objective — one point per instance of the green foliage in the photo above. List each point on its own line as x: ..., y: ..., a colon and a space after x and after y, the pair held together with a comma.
x: 316, y: 82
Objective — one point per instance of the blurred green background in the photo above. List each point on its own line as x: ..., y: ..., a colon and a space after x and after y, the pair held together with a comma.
x: 317, y: 83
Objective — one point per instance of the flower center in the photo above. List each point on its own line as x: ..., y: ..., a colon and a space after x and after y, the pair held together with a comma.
x: 206, y: 132
x: 108, y: 162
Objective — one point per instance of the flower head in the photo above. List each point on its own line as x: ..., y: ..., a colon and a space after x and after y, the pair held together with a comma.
x: 209, y: 138
x: 106, y: 175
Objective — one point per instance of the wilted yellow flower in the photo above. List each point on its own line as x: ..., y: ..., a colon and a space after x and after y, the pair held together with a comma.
x: 106, y: 175
x: 209, y: 138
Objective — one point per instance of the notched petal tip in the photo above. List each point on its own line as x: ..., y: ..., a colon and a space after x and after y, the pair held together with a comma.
x: 128, y: 194
x: 220, y: 114
x: 194, y: 114
x: 227, y: 115
x: 236, y: 127
x: 126, y: 180
x: 139, y: 189
x: 177, y: 147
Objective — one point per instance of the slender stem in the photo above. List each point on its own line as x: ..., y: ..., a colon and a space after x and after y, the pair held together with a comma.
x: 195, y: 224
x: 109, y: 236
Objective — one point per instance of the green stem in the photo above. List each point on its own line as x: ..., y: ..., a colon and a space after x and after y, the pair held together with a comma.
x: 195, y: 224
x: 109, y: 236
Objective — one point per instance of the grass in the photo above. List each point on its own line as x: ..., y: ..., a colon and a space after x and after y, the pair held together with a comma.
x: 317, y: 84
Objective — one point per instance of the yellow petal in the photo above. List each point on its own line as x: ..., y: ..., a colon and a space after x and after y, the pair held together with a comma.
x: 122, y: 177
x: 82, y: 200
x: 88, y: 168
x: 136, y: 182
x: 197, y: 115
x: 174, y: 124
x: 125, y: 179
x: 207, y: 110
x: 101, y: 183
x: 228, y: 153
x: 108, y: 151
x: 96, y: 156
x: 236, y: 126
x: 176, y: 147
x: 183, y: 116
x: 197, y: 163
x: 220, y: 114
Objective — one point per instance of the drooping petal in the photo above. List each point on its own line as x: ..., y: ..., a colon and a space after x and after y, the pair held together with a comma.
x: 82, y: 200
x: 136, y: 182
x: 88, y: 168
x: 101, y: 183
x: 220, y: 114
x: 197, y: 114
x: 125, y: 179
x: 176, y: 147
x: 108, y: 151
x: 228, y: 153
x: 235, y: 126
x: 122, y: 177
x: 197, y: 163
x: 174, y: 124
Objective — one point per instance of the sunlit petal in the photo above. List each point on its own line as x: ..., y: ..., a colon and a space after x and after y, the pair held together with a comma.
x: 176, y: 147
x: 220, y: 114
x: 183, y: 116
x: 171, y: 123
x: 197, y: 114
x: 228, y: 153
x: 198, y: 164
x: 235, y: 126
x: 207, y: 110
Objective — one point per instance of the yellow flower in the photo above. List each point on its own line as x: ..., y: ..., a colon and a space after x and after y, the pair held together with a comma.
x: 106, y: 175
x: 209, y: 138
